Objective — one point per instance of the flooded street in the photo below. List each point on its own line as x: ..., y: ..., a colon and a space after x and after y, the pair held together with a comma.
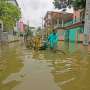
x: 44, y: 45
x: 25, y: 69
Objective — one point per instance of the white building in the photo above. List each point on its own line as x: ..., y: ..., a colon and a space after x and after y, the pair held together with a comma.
x: 8, y: 36
x: 11, y: 36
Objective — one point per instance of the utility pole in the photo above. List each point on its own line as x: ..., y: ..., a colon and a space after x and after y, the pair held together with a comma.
x: 42, y: 29
x: 87, y: 23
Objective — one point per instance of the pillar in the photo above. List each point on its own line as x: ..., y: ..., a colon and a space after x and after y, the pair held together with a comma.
x: 87, y: 23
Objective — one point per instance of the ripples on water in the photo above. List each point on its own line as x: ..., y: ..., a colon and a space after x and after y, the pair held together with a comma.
x: 20, y: 68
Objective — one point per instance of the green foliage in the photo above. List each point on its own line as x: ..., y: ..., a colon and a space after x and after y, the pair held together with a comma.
x: 57, y: 4
x: 77, y: 4
x: 9, y: 14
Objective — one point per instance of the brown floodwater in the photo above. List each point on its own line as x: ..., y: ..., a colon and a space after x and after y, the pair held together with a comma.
x: 25, y: 69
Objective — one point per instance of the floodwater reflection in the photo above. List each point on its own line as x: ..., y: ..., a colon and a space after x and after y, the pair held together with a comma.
x: 10, y: 62
x: 24, y: 69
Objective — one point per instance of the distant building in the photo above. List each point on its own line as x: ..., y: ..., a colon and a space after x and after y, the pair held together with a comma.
x: 21, y: 26
x: 55, y: 20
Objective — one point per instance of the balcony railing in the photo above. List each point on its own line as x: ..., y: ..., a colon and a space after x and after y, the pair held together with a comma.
x: 58, y: 26
x: 73, y: 21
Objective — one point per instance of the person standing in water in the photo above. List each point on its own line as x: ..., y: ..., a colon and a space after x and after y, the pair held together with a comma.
x: 53, y: 39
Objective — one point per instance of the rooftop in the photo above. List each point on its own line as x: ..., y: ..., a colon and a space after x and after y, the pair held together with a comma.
x: 59, y: 14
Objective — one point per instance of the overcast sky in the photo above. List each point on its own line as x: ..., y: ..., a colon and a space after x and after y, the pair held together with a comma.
x: 34, y: 10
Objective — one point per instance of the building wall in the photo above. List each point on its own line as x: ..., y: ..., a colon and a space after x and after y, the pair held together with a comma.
x: 55, y: 20
x: 11, y: 35
x: 77, y: 16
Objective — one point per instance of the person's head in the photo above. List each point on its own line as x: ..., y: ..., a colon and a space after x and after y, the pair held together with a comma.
x: 54, y: 31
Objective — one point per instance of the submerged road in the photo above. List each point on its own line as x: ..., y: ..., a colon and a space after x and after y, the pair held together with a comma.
x: 25, y: 69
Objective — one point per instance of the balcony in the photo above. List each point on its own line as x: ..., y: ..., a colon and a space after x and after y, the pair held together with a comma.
x: 58, y: 26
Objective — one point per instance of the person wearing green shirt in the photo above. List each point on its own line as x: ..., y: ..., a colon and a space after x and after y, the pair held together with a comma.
x: 53, y: 39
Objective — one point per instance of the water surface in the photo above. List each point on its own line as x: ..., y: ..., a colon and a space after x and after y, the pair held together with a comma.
x: 25, y: 69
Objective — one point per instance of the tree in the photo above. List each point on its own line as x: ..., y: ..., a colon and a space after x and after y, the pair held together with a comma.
x: 76, y: 4
x: 9, y: 14
x: 60, y: 4
x: 79, y: 4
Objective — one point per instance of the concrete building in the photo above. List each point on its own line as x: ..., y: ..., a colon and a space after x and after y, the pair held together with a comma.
x: 55, y: 20
x: 69, y: 25
x: 3, y: 35
x: 9, y: 36
x: 13, y: 35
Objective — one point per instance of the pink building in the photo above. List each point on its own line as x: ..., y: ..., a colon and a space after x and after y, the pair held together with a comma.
x: 76, y: 14
x: 21, y: 26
